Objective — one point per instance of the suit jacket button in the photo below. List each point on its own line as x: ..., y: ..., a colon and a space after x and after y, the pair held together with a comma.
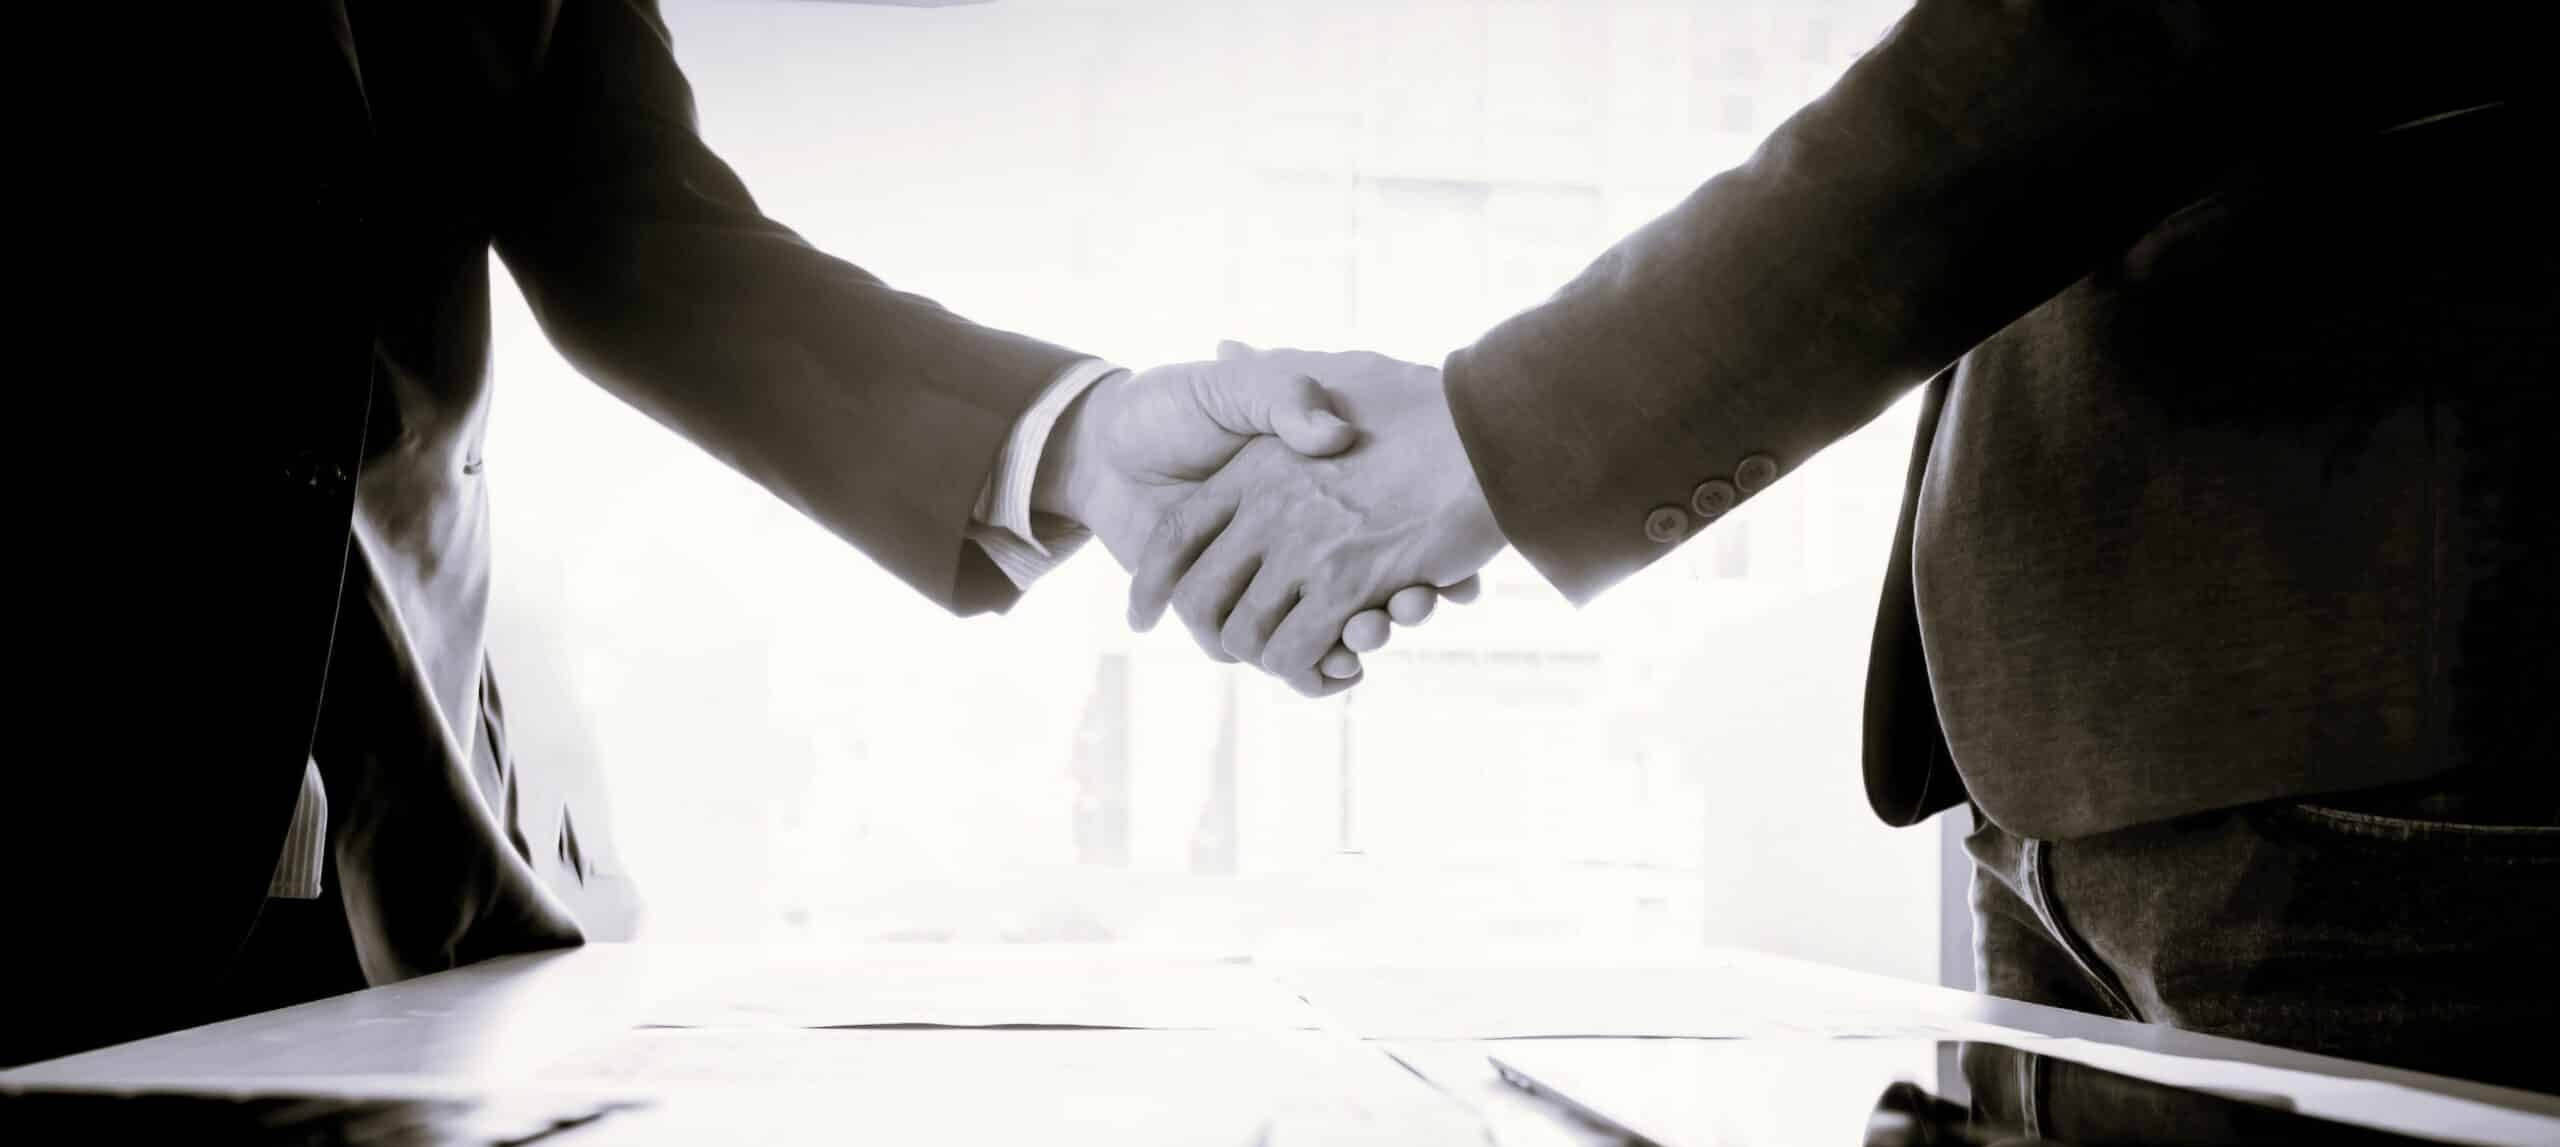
x: 1712, y: 498
x: 1755, y: 473
x: 1666, y: 524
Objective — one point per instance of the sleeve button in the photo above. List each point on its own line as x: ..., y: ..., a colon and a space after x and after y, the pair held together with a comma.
x: 1666, y: 524
x: 1755, y: 473
x: 1712, y: 498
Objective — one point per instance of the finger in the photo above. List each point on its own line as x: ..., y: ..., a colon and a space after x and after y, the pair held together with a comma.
x: 1302, y: 414
x: 1304, y: 636
x: 1340, y: 665
x: 1311, y: 684
x: 1210, y: 589
x: 1366, y: 632
x: 1412, y: 604
x: 1172, y: 547
x: 1463, y: 590
x: 1229, y: 350
x: 1254, y: 398
x: 1268, y: 599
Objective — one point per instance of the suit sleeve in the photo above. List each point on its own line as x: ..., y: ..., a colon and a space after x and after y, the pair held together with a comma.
x: 875, y: 412
x: 1980, y: 158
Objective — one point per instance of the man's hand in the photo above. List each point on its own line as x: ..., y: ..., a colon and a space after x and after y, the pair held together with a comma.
x: 1277, y: 554
x: 1135, y: 446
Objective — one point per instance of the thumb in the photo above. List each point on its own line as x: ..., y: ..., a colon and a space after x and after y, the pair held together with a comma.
x: 1302, y: 414
x: 1252, y: 399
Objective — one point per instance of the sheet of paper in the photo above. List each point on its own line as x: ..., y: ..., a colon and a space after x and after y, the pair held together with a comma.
x: 1527, y: 1001
x: 2389, y: 1106
x: 1730, y: 1093
x: 979, y: 989
x: 971, y: 1086
x: 1513, y: 1118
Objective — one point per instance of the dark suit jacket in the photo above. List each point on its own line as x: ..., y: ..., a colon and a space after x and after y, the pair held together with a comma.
x: 306, y: 568
x: 2223, y: 490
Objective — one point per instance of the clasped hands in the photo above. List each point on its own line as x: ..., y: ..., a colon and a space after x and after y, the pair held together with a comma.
x: 1286, y: 505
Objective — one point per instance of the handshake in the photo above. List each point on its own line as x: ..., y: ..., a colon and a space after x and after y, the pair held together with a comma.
x: 1287, y: 505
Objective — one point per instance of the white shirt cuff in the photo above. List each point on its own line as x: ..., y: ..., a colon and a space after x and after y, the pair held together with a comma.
x: 1023, y: 545
x: 297, y: 874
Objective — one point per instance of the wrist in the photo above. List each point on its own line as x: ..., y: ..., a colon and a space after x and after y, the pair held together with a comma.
x: 1468, y: 514
x: 1064, y: 483
x: 1475, y: 522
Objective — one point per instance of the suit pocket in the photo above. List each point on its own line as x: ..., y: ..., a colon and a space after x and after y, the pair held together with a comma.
x: 2529, y: 843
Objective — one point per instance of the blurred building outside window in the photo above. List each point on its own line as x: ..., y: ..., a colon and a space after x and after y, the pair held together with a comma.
x: 798, y: 748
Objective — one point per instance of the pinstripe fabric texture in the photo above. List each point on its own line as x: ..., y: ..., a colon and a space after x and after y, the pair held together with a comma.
x: 297, y: 874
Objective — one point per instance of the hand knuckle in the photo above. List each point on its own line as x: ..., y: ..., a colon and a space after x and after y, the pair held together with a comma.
x: 1171, y: 525
x: 1274, y: 596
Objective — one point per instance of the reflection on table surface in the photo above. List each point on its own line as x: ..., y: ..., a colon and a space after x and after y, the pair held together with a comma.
x: 2018, y: 1095
x: 1657, y: 1093
x: 959, y: 1044
x: 1899, y: 1093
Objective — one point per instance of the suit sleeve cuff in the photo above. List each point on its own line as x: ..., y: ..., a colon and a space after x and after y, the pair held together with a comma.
x: 1022, y: 544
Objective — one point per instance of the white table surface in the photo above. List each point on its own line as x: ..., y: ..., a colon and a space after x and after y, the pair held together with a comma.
x: 572, y: 1019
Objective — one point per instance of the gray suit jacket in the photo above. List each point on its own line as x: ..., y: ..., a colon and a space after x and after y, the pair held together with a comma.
x: 2223, y: 490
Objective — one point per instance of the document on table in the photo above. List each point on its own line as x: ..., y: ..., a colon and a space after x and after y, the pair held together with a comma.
x: 995, y: 1046
x: 1529, y: 1001
x: 969, y: 1086
x: 982, y: 989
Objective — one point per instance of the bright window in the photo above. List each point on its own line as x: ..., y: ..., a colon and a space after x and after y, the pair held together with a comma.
x: 798, y: 748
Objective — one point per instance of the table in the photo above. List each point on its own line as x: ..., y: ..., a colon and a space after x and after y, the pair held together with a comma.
x: 959, y: 1039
